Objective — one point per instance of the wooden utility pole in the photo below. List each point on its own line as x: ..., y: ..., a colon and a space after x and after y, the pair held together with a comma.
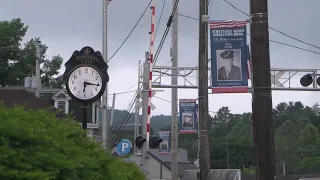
x: 203, y: 91
x: 262, y: 99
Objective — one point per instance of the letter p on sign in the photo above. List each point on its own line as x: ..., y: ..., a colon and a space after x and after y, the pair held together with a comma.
x: 124, y: 146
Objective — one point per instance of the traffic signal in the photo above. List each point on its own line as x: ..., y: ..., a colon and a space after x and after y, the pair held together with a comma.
x: 139, y: 141
x: 155, y: 142
x: 306, y: 80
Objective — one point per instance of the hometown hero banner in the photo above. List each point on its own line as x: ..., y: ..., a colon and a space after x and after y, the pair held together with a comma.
x: 188, y: 120
x: 229, y: 65
x: 165, y: 145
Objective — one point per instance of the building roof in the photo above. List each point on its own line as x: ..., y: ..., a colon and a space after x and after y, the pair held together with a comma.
x: 15, y: 96
x: 11, y: 97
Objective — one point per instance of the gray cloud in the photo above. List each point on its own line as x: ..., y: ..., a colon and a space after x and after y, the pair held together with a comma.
x: 68, y: 25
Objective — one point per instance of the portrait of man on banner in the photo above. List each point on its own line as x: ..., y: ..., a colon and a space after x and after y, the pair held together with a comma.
x: 229, y: 65
x: 187, y: 120
x: 164, y: 145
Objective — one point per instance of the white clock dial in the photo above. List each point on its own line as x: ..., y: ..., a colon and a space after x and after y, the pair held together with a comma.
x: 85, y: 83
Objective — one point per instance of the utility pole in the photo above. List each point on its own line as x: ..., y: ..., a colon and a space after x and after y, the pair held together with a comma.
x: 262, y: 98
x: 203, y: 91
x: 145, y: 92
x: 137, y: 110
x: 38, y: 77
x: 105, y: 118
x: 174, y: 97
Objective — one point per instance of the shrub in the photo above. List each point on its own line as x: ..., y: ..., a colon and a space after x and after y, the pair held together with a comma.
x: 35, y: 145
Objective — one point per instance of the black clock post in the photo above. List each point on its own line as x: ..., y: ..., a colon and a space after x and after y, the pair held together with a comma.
x: 86, y: 69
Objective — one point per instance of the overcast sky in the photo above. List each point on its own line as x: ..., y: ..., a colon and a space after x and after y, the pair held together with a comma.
x: 68, y: 25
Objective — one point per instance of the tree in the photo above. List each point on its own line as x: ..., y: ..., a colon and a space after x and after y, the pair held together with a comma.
x: 222, y: 116
x: 36, y: 145
x: 16, y: 63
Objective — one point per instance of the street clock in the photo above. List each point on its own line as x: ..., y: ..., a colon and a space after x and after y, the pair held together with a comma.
x: 86, y: 75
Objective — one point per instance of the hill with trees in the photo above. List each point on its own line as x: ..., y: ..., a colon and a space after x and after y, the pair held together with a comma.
x: 296, y: 137
x: 231, y: 140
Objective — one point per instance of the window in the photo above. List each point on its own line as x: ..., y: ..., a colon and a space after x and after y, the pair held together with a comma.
x: 62, y: 105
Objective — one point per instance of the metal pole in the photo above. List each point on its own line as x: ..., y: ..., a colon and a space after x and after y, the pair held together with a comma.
x: 262, y: 97
x: 84, y: 115
x: 144, y: 155
x: 203, y: 91
x: 105, y: 117
x: 137, y: 110
x: 174, y: 97
x: 109, y: 140
x: 228, y: 160
x: 38, y: 77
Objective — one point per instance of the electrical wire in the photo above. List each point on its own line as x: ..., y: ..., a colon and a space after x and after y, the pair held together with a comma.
x: 163, y: 4
x: 272, y: 27
x: 187, y: 74
x: 171, y: 102
x: 273, y: 41
x: 127, y: 117
x: 165, y: 34
x: 123, y: 92
x: 144, y: 12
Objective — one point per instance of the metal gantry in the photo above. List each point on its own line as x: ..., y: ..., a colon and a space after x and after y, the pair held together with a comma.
x: 281, y: 78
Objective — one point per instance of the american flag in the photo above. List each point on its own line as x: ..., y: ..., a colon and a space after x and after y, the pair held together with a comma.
x: 227, y: 24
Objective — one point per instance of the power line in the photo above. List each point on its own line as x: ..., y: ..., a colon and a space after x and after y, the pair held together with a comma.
x: 171, y: 102
x: 273, y: 41
x: 127, y: 117
x: 189, y: 17
x: 123, y: 92
x: 131, y: 31
x: 188, y: 34
x: 165, y: 32
x: 272, y: 27
x: 163, y: 4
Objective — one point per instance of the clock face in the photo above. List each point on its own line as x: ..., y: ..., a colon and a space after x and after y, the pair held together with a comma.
x: 85, y: 83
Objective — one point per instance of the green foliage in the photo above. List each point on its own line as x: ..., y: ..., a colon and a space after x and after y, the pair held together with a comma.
x: 231, y: 138
x: 249, y: 170
x: 17, y: 61
x: 34, y: 145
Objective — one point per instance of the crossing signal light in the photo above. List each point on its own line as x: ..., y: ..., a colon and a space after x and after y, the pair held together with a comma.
x: 307, y: 80
x: 155, y: 142
x: 139, y: 141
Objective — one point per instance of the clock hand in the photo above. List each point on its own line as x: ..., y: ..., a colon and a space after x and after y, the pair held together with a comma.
x: 84, y: 86
x: 88, y: 83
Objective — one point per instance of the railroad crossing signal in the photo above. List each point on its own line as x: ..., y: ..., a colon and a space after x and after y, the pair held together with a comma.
x: 124, y: 147
x: 275, y: 78
x: 153, y: 107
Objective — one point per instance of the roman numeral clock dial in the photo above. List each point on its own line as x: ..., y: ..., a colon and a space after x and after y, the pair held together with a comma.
x: 85, y: 83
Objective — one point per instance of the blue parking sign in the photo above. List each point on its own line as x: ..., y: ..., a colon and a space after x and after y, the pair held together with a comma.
x: 124, y: 147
